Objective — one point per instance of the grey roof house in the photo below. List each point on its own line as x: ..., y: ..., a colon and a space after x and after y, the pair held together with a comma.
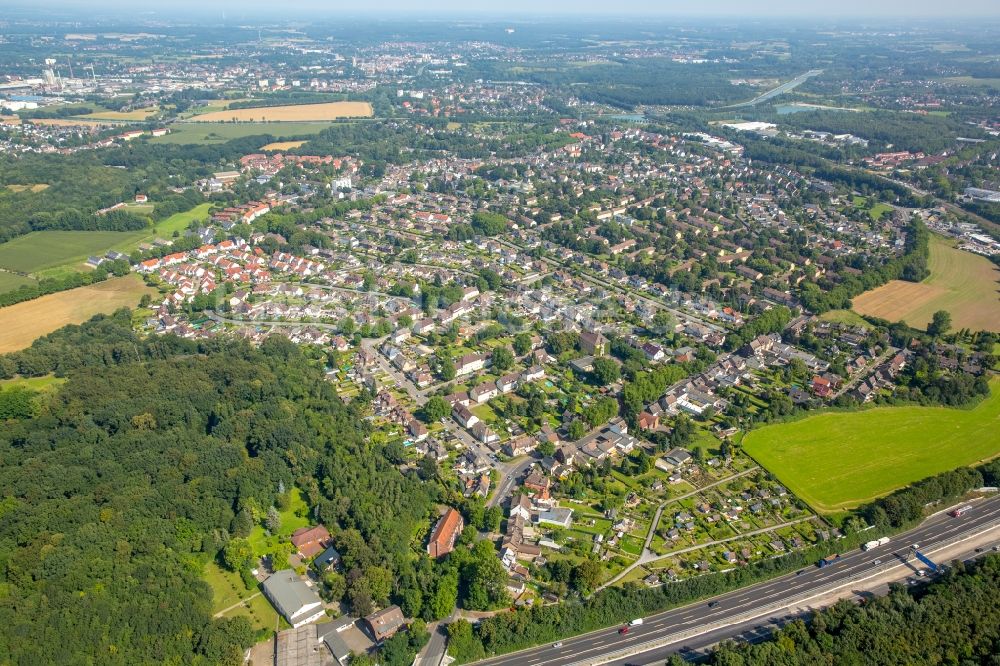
x: 290, y: 596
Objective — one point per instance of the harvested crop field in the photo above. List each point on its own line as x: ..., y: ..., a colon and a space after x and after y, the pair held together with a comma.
x: 965, y: 284
x: 300, y: 112
x: 22, y: 324
x: 282, y: 145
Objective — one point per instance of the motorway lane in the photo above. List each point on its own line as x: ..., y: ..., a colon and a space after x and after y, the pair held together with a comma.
x: 761, y: 629
x: 936, y: 531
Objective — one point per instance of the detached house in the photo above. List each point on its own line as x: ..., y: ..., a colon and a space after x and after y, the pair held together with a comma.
x: 470, y: 363
x: 593, y: 343
x: 385, y: 623
x: 310, y: 541
x: 464, y: 416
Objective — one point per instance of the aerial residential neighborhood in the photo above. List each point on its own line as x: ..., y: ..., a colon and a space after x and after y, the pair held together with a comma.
x: 553, y: 333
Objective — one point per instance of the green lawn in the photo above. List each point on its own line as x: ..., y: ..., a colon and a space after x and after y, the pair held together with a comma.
x: 227, y: 587
x: 837, y: 461
x: 484, y: 412
x: 41, y: 250
x: 878, y: 210
x: 291, y: 519
x: 261, y: 614
x: 210, y: 133
x: 228, y: 590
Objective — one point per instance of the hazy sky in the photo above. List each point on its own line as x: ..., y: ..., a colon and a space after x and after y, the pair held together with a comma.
x: 901, y: 9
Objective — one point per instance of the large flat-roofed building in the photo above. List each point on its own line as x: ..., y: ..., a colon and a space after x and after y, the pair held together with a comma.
x: 290, y: 596
x: 302, y: 646
x: 328, y: 644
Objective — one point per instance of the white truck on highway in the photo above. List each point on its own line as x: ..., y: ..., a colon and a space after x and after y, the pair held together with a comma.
x: 875, y: 544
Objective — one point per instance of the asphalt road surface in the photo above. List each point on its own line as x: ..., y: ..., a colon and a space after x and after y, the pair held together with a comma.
x: 936, y: 532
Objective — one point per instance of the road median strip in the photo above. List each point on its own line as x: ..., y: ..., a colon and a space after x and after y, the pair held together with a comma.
x: 779, y: 605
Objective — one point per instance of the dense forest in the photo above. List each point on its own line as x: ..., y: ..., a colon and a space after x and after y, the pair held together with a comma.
x: 953, y: 621
x: 67, y: 202
x: 901, y: 131
x: 140, y: 469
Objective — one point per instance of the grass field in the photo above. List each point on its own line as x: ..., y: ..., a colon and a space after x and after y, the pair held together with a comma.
x: 227, y: 587
x: 228, y: 590
x: 202, y: 133
x: 838, y: 461
x: 68, y: 122
x: 37, y: 187
x: 122, y: 116
x: 212, y: 105
x: 22, y: 323
x: 41, y: 250
x: 848, y: 317
x: 180, y: 221
x: 11, y: 281
x: 53, y: 252
x: 878, y: 210
x: 282, y: 145
x: 289, y: 113
x: 970, y: 81
x: 964, y: 284
x: 46, y: 383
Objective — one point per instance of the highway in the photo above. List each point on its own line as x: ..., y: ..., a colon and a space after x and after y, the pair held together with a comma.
x: 733, y: 613
x: 780, y: 90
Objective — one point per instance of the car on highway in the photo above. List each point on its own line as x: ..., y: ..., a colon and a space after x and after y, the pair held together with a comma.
x: 713, y: 604
x: 557, y: 645
x: 636, y: 622
x: 877, y: 562
x: 623, y: 630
